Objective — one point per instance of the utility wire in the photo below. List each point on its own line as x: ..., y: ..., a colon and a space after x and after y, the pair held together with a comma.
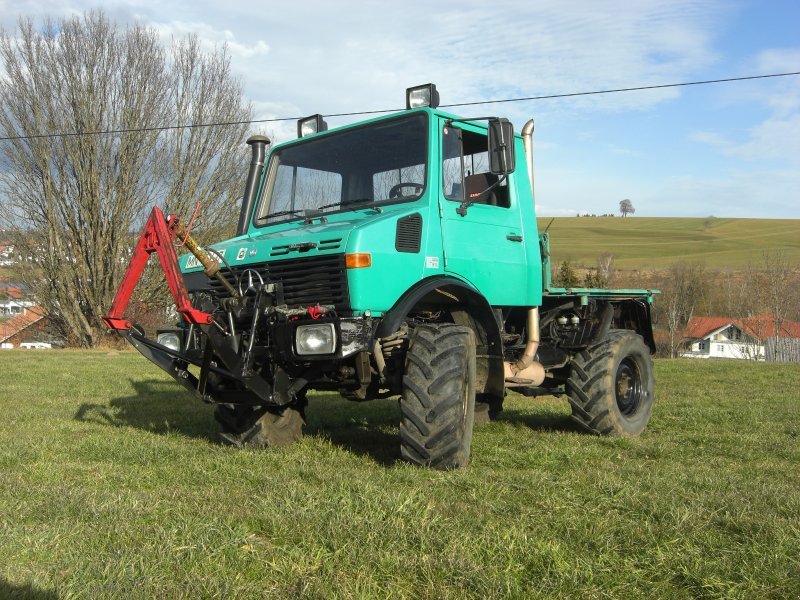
x: 388, y: 110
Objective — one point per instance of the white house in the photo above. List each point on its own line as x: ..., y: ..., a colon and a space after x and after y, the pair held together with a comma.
x: 13, y: 300
x: 752, y: 338
x: 6, y: 254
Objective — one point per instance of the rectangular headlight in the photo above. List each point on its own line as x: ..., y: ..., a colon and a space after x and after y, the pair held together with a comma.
x: 311, y: 125
x: 422, y: 95
x: 315, y: 339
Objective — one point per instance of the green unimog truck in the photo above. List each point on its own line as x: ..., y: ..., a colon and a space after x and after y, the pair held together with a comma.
x: 394, y: 257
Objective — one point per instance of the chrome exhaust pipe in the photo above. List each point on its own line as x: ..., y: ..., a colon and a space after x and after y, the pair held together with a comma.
x: 526, y: 370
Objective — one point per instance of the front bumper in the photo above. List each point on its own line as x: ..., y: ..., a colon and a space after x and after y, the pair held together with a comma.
x: 228, y: 371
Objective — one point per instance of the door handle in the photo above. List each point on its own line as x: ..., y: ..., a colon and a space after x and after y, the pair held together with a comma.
x: 514, y: 238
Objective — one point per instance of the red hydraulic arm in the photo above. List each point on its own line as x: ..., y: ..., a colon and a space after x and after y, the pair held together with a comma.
x: 157, y: 237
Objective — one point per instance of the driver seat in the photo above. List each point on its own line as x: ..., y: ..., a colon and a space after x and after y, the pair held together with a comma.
x: 475, y: 187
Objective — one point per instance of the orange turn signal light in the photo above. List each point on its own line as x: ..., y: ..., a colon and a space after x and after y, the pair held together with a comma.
x: 358, y: 260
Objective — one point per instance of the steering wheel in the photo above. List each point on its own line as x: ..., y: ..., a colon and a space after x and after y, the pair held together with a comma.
x: 394, y: 192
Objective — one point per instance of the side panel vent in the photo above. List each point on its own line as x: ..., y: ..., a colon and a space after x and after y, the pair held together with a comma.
x: 409, y: 233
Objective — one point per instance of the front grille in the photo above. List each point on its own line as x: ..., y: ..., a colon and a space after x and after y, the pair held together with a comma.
x: 306, y: 281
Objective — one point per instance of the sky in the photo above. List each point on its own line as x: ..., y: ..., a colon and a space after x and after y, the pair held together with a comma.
x: 723, y: 150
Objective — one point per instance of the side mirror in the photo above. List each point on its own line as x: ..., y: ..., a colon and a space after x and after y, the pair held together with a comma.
x: 501, y: 146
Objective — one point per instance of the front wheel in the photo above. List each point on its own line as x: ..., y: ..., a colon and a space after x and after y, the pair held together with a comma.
x: 437, y: 406
x: 259, y: 426
x: 611, y: 387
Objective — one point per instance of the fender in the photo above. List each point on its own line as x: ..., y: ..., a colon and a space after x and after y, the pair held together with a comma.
x: 636, y: 314
x: 467, y: 307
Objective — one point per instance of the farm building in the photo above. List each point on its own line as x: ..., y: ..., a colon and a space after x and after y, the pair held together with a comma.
x: 751, y: 338
x: 24, y: 327
x: 13, y: 300
x: 6, y: 254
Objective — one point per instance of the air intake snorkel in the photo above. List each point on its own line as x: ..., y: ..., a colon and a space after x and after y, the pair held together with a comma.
x: 258, y: 144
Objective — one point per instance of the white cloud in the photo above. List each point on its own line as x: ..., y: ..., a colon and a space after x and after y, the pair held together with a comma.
x: 336, y: 57
x: 211, y: 38
x: 774, y: 139
x: 476, y: 52
x: 712, y: 138
x: 300, y: 58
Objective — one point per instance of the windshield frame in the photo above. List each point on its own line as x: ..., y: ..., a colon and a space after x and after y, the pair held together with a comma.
x: 270, y: 172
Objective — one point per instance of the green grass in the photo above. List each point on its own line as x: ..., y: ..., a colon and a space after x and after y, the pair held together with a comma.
x: 656, y: 243
x: 112, y: 485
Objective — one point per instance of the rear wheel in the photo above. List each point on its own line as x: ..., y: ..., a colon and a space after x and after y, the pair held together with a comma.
x: 259, y: 426
x: 611, y: 385
x: 438, y: 401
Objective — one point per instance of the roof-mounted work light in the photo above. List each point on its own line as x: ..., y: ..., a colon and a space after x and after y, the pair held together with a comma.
x: 311, y: 125
x: 422, y: 95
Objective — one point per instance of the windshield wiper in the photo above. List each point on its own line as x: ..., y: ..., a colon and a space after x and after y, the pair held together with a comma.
x: 310, y: 214
x: 283, y: 213
x: 356, y: 204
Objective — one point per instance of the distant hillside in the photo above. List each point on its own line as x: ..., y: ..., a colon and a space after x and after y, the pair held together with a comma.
x: 654, y: 243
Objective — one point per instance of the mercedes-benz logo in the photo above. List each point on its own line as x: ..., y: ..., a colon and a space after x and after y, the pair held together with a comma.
x: 250, y: 282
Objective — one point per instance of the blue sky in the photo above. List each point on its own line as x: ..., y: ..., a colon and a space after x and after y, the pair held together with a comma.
x: 728, y: 150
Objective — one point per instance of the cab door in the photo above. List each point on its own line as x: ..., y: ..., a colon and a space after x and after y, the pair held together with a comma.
x: 484, y: 241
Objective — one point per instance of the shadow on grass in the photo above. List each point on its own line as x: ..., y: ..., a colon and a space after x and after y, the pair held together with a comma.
x: 10, y: 590
x: 160, y: 407
x: 542, y: 420
x: 364, y: 428
x: 157, y: 407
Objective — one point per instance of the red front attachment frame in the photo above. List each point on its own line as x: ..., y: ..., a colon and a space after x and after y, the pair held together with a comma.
x: 157, y: 236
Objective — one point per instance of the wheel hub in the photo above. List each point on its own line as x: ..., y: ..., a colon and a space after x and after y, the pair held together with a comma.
x: 628, y: 386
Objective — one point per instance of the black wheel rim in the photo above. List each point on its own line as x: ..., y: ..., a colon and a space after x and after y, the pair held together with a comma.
x: 629, y: 389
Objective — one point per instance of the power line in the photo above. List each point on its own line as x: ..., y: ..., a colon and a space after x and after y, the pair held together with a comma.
x: 388, y: 110
x: 632, y: 89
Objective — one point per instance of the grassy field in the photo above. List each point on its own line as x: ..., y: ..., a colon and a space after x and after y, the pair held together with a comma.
x: 112, y: 485
x: 656, y: 243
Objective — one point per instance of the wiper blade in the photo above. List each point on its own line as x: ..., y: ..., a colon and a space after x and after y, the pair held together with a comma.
x: 346, y: 204
x: 313, y: 213
x: 283, y: 213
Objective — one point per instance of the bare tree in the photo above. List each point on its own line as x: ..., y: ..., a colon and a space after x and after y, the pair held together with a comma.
x: 764, y: 296
x: 605, y: 266
x: 626, y: 207
x: 75, y: 199
x: 778, y: 284
x: 685, y: 291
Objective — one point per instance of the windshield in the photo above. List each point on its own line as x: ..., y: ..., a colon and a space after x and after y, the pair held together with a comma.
x: 375, y: 164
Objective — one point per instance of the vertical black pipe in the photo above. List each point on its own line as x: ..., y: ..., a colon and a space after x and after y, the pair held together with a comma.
x: 258, y: 144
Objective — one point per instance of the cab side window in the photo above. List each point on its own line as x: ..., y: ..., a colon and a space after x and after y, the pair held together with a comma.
x: 465, y: 170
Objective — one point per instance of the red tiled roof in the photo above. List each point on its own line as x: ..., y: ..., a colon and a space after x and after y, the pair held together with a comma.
x: 14, y: 293
x: 759, y: 327
x: 700, y: 327
x: 764, y: 326
x: 19, y: 322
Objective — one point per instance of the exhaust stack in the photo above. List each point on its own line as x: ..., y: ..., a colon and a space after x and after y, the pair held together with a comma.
x: 527, y: 370
x: 258, y: 145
